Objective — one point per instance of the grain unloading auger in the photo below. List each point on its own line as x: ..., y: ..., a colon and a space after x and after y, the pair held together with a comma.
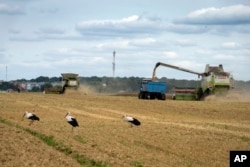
x: 214, y: 81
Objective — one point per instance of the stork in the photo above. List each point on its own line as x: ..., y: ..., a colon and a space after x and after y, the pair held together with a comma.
x: 131, y: 120
x: 71, y: 120
x: 31, y: 116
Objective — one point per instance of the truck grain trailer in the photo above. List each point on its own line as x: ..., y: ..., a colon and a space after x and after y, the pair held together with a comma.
x: 214, y: 80
x: 152, y: 90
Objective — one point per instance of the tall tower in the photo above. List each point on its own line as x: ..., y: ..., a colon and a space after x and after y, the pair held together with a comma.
x: 6, y: 73
x: 113, y: 64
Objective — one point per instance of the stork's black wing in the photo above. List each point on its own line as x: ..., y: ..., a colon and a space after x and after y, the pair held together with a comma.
x: 73, y: 122
x: 135, y: 122
x: 34, y: 117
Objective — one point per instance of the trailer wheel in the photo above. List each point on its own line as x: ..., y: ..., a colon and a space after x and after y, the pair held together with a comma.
x: 163, y: 97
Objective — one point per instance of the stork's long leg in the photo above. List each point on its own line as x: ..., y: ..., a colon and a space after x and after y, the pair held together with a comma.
x: 31, y: 122
x: 131, y: 125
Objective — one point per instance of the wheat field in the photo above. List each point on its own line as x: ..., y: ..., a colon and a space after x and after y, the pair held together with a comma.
x: 172, y: 133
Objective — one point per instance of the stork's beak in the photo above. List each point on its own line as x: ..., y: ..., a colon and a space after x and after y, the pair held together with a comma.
x: 23, y: 116
x: 66, y: 114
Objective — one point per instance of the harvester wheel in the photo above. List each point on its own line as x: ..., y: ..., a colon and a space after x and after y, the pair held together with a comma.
x: 200, y: 95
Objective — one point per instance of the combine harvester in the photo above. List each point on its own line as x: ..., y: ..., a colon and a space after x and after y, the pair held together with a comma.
x: 214, y: 81
x: 69, y: 80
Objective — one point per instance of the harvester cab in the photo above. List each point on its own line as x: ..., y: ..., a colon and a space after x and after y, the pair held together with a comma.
x: 69, y: 80
x: 216, y: 81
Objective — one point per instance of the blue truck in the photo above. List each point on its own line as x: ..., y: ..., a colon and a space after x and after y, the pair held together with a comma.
x: 152, y: 90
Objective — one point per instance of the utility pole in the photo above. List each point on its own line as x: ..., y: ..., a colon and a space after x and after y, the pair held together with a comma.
x: 6, y: 73
x: 113, y: 64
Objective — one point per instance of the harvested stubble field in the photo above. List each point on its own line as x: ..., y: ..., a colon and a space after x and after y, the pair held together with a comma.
x: 172, y: 133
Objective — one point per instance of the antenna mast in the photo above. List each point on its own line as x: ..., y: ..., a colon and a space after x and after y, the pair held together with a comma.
x: 113, y: 64
x: 6, y: 73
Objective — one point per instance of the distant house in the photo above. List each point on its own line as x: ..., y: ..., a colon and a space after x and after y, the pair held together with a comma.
x: 31, y: 85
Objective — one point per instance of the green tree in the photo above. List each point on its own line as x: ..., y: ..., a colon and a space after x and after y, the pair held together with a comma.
x: 46, y: 85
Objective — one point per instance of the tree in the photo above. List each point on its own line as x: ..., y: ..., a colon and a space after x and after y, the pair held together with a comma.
x: 46, y: 85
x: 42, y: 79
x: 8, y: 85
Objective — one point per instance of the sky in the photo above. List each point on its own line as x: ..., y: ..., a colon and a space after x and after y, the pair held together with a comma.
x: 50, y: 37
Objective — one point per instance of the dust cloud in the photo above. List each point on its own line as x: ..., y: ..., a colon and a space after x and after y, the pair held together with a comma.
x: 234, y: 95
x: 87, y: 90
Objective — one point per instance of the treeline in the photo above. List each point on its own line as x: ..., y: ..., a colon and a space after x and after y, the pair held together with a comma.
x: 41, y: 79
x: 129, y: 84
x: 111, y: 85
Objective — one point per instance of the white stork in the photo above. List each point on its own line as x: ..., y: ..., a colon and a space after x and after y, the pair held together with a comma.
x: 71, y: 120
x: 131, y: 120
x: 31, y: 116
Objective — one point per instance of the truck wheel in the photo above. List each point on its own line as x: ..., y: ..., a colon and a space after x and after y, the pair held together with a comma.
x: 143, y: 96
x: 163, y: 97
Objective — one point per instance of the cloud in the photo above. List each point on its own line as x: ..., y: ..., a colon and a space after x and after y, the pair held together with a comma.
x: 224, y: 57
x: 14, y: 31
x: 126, y: 43
x: 230, y: 45
x: 185, y: 42
x: 49, y: 11
x: 132, y: 25
x: 51, y: 30
x: 46, y: 33
x: 2, y: 49
x: 230, y: 15
x: 143, y: 42
x: 186, y: 29
x: 201, y: 51
x: 185, y: 64
x: 170, y: 54
x: 10, y: 10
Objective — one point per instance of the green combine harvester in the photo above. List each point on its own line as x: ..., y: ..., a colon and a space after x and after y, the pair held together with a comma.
x: 69, y: 81
x: 214, y: 81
